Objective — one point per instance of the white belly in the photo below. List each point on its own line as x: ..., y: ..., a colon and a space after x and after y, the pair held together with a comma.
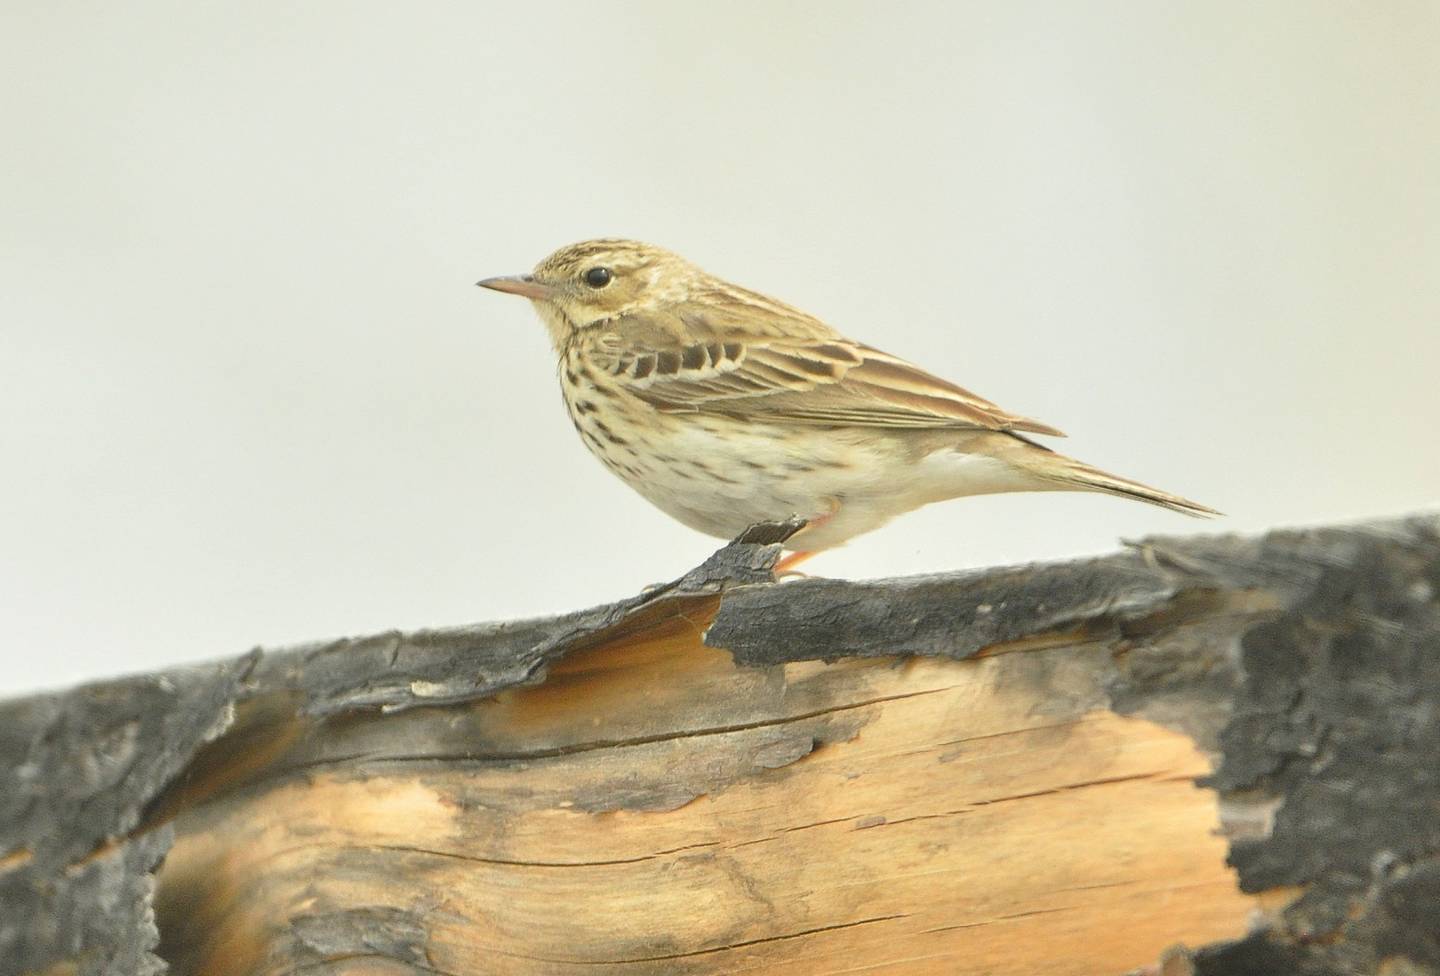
x: 722, y: 479
x: 719, y: 478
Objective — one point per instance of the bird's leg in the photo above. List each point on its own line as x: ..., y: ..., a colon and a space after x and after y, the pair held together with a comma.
x: 788, y: 564
x: 791, y: 561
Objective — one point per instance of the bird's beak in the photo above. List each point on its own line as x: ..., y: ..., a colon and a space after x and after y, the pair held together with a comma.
x: 525, y: 285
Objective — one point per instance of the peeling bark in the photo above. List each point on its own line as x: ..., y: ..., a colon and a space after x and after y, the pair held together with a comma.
x: 1010, y: 770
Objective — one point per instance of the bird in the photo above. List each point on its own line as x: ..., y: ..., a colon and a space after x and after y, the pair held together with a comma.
x: 724, y: 407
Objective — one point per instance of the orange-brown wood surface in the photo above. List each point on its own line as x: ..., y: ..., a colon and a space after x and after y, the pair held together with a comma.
x: 1201, y: 757
x: 652, y: 808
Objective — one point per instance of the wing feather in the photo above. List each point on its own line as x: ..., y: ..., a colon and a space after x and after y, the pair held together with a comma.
x: 804, y: 373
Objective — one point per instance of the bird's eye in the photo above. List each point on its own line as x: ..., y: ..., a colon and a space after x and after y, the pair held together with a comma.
x: 598, y: 277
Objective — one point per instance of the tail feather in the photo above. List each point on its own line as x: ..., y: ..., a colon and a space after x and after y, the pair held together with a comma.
x: 1093, y: 479
x: 1078, y: 476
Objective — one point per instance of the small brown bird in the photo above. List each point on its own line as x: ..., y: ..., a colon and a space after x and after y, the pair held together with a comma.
x: 724, y: 407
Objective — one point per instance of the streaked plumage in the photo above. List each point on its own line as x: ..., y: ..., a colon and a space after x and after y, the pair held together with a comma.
x: 725, y: 407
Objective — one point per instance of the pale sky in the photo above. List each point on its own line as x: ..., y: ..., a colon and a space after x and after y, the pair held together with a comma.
x: 250, y: 395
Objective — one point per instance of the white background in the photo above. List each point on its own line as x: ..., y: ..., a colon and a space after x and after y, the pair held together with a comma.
x: 249, y: 394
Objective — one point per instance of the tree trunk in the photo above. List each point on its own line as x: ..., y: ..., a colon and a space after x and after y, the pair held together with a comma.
x: 1211, y: 755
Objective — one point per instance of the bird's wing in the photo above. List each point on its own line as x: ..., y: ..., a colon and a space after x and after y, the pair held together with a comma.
x: 814, y: 377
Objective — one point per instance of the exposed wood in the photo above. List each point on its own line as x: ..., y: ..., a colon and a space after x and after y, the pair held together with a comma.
x: 1037, y: 769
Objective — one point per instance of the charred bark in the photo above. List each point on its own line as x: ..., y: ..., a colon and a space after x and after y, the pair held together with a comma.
x: 1214, y: 755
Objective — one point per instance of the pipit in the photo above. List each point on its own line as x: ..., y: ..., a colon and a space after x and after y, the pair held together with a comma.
x: 724, y: 407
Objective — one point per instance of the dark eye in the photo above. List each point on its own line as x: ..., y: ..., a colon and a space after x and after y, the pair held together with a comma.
x: 598, y: 277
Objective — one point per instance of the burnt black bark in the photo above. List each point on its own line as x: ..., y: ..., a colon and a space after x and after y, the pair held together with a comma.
x: 1308, y: 661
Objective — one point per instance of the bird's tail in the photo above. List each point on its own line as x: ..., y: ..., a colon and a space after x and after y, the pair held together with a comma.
x: 1068, y: 473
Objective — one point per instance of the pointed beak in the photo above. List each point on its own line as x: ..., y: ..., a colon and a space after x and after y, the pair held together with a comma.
x: 525, y: 285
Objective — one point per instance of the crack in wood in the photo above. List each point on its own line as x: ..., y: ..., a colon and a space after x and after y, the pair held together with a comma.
x: 579, y: 748
x: 666, y: 957
x: 998, y: 918
x: 753, y: 942
x: 494, y: 861
x: 1069, y: 787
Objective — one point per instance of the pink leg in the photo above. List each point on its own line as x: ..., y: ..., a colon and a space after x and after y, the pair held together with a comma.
x: 789, y: 563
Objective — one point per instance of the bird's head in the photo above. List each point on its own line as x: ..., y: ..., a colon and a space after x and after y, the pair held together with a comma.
x: 595, y: 281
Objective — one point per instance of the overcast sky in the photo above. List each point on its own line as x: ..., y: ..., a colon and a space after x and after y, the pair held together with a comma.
x: 250, y: 395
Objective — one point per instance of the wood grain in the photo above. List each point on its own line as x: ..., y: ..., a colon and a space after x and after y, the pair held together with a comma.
x: 652, y: 808
x: 1210, y: 756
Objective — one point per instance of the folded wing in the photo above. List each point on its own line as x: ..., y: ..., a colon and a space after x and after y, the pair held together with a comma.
x: 816, y: 377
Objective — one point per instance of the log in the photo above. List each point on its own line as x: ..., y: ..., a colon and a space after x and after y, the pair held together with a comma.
x: 1210, y: 755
